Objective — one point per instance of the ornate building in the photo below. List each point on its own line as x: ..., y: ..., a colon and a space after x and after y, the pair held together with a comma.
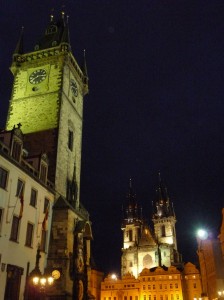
x: 142, y: 247
x: 151, y: 268
x: 47, y: 100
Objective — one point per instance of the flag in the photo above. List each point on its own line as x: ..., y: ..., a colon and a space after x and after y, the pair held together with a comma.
x: 45, y: 218
x: 21, y: 201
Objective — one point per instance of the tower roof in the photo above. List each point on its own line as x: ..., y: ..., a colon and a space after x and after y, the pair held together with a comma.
x: 162, y: 207
x: 132, y: 211
x: 56, y: 33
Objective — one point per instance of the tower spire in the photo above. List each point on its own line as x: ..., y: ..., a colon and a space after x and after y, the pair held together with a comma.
x: 19, y: 45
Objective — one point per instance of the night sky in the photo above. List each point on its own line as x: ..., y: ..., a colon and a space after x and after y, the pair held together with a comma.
x: 156, y: 103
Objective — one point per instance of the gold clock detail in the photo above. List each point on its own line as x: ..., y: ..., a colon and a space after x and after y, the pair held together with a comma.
x: 56, y: 274
x: 38, y: 76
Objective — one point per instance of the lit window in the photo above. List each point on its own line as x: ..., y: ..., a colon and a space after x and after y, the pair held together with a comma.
x: 33, y: 198
x: 29, y: 235
x: 3, y: 178
x: 15, y: 229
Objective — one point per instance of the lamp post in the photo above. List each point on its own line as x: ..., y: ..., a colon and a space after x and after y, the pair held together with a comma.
x: 202, y: 235
x: 38, y: 281
x: 220, y: 294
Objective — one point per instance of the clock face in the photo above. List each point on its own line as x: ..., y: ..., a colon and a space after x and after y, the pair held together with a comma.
x: 56, y: 274
x: 74, y: 87
x: 38, y: 76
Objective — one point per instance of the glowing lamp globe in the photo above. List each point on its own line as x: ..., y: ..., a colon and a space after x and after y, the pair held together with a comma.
x: 202, y: 234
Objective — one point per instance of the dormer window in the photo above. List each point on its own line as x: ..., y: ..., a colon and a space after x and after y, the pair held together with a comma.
x: 43, y: 168
x: 43, y: 172
x: 51, y: 29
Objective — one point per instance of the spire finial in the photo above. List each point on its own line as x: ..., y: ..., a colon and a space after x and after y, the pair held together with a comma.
x: 63, y: 11
x: 130, y: 183
x: 51, y: 15
x: 159, y: 175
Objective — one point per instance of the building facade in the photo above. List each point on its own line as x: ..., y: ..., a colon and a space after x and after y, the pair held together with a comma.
x: 159, y: 283
x: 210, y: 254
x: 26, y: 200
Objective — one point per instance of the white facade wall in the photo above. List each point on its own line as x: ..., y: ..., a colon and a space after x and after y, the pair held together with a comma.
x: 16, y: 253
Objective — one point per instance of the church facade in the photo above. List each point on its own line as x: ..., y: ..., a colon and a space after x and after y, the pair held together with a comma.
x: 142, y: 246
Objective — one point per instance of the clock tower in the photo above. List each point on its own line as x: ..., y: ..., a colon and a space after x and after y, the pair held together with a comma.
x: 47, y: 100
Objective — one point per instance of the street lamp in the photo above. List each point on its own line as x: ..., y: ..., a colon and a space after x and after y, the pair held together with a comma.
x: 220, y: 294
x: 38, y: 282
x: 202, y: 236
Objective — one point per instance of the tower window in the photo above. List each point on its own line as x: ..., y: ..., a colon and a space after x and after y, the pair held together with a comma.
x: 51, y: 29
x: 70, y: 140
x: 130, y: 235
x: 163, y: 230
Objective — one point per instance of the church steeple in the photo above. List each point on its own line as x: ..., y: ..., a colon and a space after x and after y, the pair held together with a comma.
x: 132, y: 212
x: 164, y: 218
x: 162, y: 206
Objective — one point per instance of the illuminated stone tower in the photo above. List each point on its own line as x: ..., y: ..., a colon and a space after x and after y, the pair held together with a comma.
x: 47, y: 100
x: 142, y: 247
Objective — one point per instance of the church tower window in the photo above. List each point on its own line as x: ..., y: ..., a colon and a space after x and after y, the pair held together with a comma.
x: 130, y: 235
x: 70, y: 140
x: 163, y: 230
